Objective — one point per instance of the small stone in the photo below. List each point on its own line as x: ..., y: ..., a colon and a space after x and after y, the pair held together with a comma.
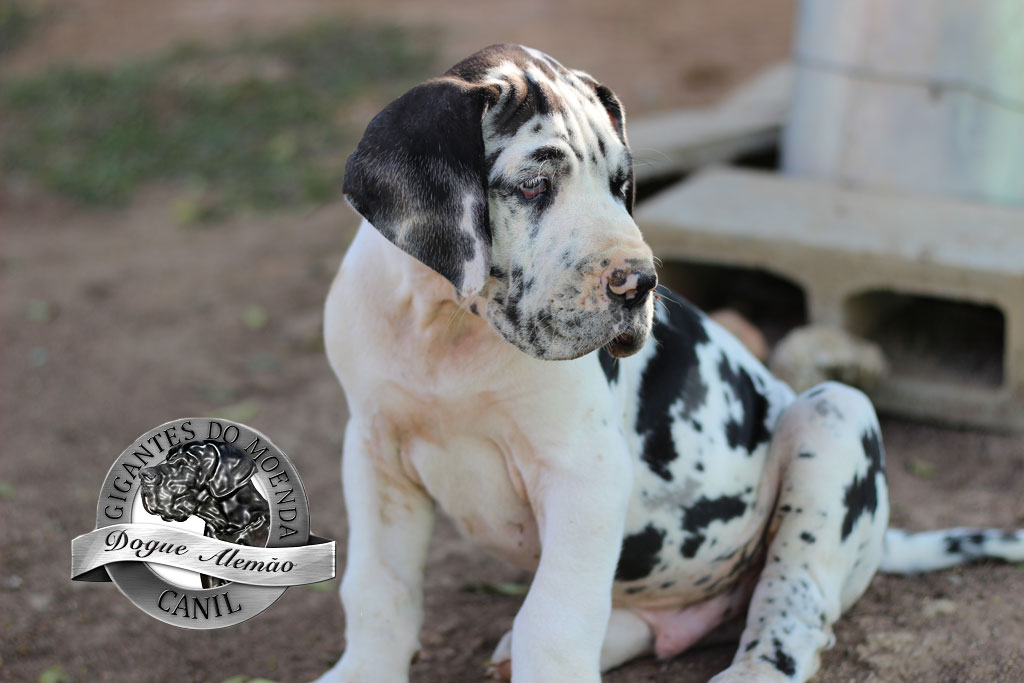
x: 40, y: 601
x: 933, y: 608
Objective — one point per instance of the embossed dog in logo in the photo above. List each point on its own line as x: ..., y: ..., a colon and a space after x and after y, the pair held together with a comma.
x: 211, y: 480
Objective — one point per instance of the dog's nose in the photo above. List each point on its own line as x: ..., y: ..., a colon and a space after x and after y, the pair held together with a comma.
x: 629, y: 286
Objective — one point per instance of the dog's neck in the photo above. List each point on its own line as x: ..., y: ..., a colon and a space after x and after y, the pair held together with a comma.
x: 209, y: 512
x: 428, y: 302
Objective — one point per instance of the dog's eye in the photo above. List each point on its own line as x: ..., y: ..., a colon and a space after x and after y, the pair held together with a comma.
x: 534, y: 187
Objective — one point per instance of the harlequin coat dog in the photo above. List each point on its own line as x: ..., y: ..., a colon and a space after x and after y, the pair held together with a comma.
x: 505, y: 355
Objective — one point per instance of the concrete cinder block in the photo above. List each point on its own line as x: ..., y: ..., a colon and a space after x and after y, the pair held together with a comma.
x: 860, y: 256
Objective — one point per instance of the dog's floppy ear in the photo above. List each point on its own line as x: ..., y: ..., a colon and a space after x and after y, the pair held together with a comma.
x: 617, y: 114
x: 231, y: 469
x: 419, y: 177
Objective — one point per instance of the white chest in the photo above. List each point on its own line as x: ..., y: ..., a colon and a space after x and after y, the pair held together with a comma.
x: 476, y: 485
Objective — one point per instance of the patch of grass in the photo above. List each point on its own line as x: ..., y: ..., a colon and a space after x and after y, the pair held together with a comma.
x: 264, y: 124
x: 921, y: 468
x: 16, y: 22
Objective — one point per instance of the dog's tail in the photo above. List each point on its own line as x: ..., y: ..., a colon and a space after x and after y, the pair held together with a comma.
x: 907, y: 553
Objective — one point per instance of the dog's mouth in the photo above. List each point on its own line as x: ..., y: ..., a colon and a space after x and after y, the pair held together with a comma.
x: 625, y: 344
x: 180, y: 517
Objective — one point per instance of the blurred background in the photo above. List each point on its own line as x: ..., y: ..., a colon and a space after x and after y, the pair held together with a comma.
x: 170, y: 221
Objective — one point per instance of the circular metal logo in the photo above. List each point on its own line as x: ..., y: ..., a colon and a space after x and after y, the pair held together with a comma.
x: 189, y: 522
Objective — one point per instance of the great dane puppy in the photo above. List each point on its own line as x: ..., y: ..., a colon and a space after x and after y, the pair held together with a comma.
x: 657, y: 479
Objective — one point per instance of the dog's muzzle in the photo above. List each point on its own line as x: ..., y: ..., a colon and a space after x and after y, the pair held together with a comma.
x: 173, y: 503
x: 630, y: 289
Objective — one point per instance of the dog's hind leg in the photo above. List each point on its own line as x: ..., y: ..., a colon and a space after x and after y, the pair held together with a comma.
x: 828, y: 532
x: 390, y: 522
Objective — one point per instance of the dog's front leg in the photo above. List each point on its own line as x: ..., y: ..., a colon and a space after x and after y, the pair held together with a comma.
x: 581, y: 509
x: 390, y: 520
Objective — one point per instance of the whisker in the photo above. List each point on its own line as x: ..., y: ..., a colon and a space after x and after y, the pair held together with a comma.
x: 461, y: 309
x: 665, y: 294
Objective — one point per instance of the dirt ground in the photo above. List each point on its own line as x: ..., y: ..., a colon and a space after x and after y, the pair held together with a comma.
x: 116, y: 321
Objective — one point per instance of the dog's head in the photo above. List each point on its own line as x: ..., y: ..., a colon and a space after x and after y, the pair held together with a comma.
x: 193, y: 474
x: 511, y: 176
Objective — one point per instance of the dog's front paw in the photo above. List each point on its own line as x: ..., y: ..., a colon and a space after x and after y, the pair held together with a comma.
x: 500, y: 666
x: 351, y: 670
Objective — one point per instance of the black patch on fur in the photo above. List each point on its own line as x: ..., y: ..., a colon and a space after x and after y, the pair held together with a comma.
x: 617, y: 184
x: 672, y: 372
x: 614, y: 108
x: 630, y: 188
x: 751, y: 431
x: 639, y: 554
x: 417, y: 161
x: 955, y: 543
x: 548, y: 153
x: 523, y: 101
x: 862, y: 494
x: 515, y: 294
x: 781, y: 660
x: 610, y: 365
x: 807, y: 537
x: 701, y: 514
x: 545, y: 68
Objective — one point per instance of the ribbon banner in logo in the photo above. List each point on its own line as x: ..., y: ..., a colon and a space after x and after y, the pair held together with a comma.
x: 91, y: 552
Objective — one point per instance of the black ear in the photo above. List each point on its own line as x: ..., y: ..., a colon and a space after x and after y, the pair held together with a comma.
x: 617, y: 115
x: 232, y: 468
x: 614, y: 108
x: 418, y: 176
